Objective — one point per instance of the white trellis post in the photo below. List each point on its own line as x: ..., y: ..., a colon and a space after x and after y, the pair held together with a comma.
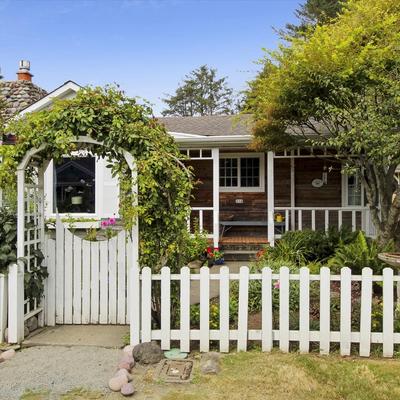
x: 134, y: 276
x: 16, y: 271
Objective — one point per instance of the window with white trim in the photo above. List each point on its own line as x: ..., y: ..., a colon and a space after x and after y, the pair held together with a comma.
x: 242, y: 172
x: 74, y: 185
x: 352, y: 191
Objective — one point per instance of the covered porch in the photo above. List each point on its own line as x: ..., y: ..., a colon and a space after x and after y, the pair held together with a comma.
x: 243, y: 197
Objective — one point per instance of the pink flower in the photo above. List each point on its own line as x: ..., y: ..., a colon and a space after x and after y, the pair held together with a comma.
x: 111, y: 221
x: 276, y: 285
x: 104, y: 224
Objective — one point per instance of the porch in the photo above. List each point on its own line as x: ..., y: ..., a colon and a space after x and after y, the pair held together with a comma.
x: 278, y: 192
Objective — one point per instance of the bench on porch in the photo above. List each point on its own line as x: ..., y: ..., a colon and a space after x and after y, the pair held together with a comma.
x: 226, y: 225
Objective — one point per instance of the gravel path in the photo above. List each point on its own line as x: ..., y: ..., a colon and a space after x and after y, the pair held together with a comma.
x: 57, y: 369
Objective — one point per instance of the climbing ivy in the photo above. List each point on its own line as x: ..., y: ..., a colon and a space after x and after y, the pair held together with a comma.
x: 118, y: 122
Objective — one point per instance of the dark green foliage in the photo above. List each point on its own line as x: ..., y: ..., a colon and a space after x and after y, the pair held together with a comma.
x: 360, y: 253
x: 304, y: 247
x: 34, y: 279
x: 313, y: 13
x: 201, y: 93
x: 8, y: 238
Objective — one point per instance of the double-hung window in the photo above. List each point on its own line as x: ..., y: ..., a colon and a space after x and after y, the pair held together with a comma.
x: 242, y: 172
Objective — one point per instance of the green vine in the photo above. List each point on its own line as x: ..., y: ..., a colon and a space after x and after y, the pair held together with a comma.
x: 108, y: 116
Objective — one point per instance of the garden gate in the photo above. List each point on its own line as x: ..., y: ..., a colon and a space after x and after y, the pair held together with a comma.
x: 88, y: 280
x: 104, y: 284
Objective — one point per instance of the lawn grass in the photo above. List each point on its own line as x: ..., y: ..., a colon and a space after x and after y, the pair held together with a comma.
x: 273, y: 376
x: 278, y: 376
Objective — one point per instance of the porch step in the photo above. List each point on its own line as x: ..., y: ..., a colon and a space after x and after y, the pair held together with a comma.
x: 241, y: 251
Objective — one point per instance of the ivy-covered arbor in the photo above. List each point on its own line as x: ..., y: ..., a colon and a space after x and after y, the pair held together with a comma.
x: 154, y: 184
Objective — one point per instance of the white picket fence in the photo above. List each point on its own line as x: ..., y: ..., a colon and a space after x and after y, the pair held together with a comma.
x: 142, y: 331
x: 88, y: 281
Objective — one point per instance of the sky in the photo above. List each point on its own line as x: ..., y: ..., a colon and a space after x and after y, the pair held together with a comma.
x: 145, y: 46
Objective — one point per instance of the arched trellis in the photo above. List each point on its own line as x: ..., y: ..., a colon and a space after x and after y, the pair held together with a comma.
x: 31, y: 236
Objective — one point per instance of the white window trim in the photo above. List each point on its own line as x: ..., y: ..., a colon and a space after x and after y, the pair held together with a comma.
x: 258, y: 189
x: 345, y: 203
x: 49, y: 192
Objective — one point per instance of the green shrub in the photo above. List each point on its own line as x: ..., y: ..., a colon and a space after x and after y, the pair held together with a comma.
x: 360, y: 253
x: 8, y: 238
x: 305, y: 247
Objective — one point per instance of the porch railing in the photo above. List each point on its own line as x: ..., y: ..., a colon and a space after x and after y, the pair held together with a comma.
x: 323, y: 218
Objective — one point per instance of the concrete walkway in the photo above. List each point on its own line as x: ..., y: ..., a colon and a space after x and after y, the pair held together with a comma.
x: 108, y: 336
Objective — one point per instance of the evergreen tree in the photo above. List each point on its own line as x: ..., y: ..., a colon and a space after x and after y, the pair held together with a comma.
x: 201, y: 93
x: 311, y: 14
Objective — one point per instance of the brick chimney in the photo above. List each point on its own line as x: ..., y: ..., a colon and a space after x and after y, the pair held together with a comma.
x: 24, y: 73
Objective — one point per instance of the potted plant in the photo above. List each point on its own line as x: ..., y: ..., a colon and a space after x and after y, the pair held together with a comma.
x: 215, y: 256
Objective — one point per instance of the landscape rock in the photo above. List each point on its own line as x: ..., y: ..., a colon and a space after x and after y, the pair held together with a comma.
x: 116, y: 383
x: 32, y: 324
x: 148, y: 353
x: 26, y: 331
x: 128, y: 349
x: 124, y: 372
x: 210, y: 363
x: 124, y: 365
x: 127, y: 358
x: 7, y: 355
x: 6, y: 334
x: 127, y: 389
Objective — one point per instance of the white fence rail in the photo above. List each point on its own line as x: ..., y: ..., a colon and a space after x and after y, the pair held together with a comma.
x: 275, y: 318
x: 323, y: 218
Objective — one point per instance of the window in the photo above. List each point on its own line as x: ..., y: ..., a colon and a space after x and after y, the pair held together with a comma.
x: 241, y: 172
x: 353, y: 194
x: 74, y: 185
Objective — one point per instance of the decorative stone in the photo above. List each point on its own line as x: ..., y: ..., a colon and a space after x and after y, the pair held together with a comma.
x: 128, y: 349
x: 127, y: 389
x: 32, y: 324
x: 175, y: 354
x: 124, y: 365
x: 124, y: 372
x: 26, y: 331
x: 116, y: 383
x: 7, y: 355
x: 148, y: 353
x: 129, y: 359
x: 19, y: 94
x: 210, y: 363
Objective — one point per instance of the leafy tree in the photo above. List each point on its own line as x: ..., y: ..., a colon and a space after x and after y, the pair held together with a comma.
x: 311, y: 14
x: 201, y: 93
x: 339, y: 88
x: 119, y: 122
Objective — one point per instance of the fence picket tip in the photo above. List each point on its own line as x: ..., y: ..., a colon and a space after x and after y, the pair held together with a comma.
x: 164, y: 269
x: 224, y: 268
x: 387, y: 271
x: 244, y: 268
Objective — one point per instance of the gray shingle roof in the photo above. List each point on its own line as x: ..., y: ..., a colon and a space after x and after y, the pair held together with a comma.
x: 214, y: 125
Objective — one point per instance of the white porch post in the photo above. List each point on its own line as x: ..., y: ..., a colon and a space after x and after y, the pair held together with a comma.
x: 16, y: 271
x: 292, y: 192
x: 270, y: 197
x: 215, y: 157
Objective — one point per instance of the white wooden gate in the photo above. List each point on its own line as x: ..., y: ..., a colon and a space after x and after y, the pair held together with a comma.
x: 88, y: 281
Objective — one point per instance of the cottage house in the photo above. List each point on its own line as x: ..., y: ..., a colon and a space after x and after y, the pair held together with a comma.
x: 242, y: 197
